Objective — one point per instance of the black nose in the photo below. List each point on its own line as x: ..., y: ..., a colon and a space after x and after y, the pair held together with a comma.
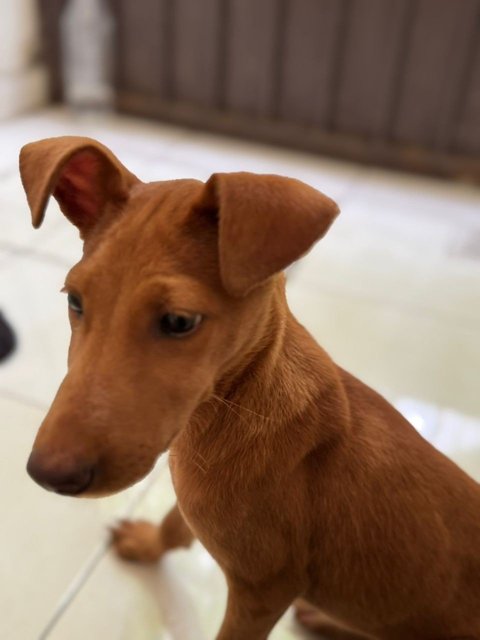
x: 61, y: 474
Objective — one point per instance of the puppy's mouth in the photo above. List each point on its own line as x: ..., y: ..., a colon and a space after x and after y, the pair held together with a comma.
x: 88, y: 477
x: 76, y: 488
x: 104, y: 482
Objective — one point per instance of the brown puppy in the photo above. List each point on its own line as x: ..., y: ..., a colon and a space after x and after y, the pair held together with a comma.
x: 300, y: 480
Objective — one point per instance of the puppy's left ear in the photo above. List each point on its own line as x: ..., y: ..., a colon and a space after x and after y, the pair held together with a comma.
x: 265, y: 222
x: 85, y: 178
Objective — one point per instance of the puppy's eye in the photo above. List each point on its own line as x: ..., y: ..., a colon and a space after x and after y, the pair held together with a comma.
x: 75, y: 304
x: 179, y: 325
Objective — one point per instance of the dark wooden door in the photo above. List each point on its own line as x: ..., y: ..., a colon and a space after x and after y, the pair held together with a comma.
x: 395, y: 83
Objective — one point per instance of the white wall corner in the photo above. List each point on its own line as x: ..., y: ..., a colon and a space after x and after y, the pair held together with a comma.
x: 23, y: 80
x: 23, y: 91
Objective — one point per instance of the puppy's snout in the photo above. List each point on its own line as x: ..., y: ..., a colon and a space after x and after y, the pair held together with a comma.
x: 62, y: 474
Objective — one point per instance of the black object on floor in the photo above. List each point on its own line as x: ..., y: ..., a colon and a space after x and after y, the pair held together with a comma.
x: 7, y: 339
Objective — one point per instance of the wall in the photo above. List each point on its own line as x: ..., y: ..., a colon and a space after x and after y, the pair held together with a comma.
x: 23, y: 80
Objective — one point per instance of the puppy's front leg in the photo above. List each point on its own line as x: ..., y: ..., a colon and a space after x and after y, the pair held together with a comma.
x: 253, y: 610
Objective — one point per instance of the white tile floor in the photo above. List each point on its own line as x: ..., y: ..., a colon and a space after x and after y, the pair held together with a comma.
x: 392, y: 293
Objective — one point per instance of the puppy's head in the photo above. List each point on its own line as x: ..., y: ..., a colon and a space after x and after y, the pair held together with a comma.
x: 176, y: 286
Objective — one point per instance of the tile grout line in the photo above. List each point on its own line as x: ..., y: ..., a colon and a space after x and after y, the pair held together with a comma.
x: 19, y: 251
x: 86, y: 571
x: 74, y: 587
x: 22, y: 399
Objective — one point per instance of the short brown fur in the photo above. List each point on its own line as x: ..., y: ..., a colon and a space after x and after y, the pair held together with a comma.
x: 300, y: 480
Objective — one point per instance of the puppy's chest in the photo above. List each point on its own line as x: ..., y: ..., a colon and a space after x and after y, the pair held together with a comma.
x: 226, y: 516
x: 209, y: 496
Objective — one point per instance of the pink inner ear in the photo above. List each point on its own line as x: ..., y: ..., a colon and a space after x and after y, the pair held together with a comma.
x: 79, y: 189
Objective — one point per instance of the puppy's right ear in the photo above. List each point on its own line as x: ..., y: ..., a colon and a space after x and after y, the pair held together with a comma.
x: 264, y: 222
x: 83, y: 176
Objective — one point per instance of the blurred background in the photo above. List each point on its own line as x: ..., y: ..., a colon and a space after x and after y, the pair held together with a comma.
x: 375, y: 103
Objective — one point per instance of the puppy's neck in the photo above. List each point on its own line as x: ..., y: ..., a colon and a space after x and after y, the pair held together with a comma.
x: 258, y: 365
x: 273, y: 403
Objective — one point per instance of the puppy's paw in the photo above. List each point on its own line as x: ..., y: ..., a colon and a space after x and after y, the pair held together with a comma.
x: 137, y: 541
